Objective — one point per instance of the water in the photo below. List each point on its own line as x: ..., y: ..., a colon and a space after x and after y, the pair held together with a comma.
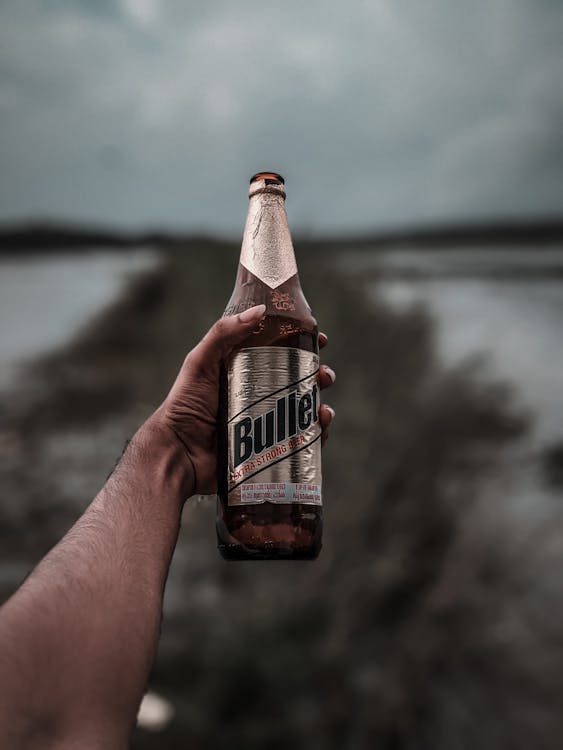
x: 505, y: 305
x: 481, y: 261
x: 46, y: 299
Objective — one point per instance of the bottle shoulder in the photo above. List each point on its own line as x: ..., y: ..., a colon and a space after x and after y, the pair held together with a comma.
x: 284, y: 301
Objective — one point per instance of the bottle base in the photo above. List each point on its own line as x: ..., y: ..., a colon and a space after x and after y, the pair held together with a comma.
x: 270, y: 532
x: 238, y: 552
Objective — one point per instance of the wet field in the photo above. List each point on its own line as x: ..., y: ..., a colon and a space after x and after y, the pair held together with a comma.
x: 46, y: 300
x: 429, y: 616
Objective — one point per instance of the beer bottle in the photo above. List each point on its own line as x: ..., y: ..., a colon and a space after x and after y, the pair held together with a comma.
x: 269, y: 483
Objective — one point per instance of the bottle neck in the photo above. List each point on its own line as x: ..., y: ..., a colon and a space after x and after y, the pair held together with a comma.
x: 267, y: 249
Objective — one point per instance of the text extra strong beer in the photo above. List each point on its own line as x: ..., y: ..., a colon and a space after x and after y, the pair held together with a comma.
x: 269, y: 453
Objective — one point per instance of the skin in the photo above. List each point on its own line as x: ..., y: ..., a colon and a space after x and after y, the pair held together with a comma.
x: 78, y: 638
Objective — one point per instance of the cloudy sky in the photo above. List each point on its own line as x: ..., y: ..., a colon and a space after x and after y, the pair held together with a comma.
x: 378, y: 112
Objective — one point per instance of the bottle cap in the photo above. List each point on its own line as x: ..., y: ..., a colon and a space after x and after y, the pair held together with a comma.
x: 270, y: 178
x: 267, y: 182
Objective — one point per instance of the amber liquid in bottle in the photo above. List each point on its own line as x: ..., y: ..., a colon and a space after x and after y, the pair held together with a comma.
x: 267, y: 530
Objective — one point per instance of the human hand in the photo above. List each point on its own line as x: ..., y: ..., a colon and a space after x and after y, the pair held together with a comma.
x: 190, y: 409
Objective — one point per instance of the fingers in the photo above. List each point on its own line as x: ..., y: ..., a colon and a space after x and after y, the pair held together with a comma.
x: 223, y: 336
x: 252, y: 315
x: 327, y: 376
x: 326, y: 415
x: 229, y: 331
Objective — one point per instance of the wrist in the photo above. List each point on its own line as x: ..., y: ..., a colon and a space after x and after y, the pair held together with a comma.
x: 157, y: 447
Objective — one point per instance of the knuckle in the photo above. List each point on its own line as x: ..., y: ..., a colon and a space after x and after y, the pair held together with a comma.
x: 190, y: 358
x: 220, y: 328
x: 194, y: 362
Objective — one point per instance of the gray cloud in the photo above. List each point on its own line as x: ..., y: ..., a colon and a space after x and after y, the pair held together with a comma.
x: 143, y: 112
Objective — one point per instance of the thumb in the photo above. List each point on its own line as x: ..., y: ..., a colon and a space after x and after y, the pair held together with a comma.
x: 222, y: 337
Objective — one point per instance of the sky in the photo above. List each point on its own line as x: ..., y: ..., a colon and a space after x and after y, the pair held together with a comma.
x: 379, y: 113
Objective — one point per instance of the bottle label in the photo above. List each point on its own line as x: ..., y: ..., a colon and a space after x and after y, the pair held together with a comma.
x: 273, y: 426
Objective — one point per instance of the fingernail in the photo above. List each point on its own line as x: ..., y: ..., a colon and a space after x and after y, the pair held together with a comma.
x: 252, y: 314
x: 330, y: 372
x: 331, y: 410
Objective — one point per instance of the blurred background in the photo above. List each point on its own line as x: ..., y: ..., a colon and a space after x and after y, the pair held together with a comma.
x: 422, y: 146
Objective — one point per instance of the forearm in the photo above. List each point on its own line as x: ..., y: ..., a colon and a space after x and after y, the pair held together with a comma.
x: 78, y: 639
